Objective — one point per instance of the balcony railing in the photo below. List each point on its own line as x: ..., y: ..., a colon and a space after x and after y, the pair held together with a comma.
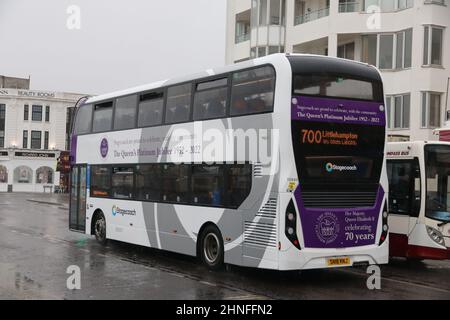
x: 242, y: 37
x: 350, y: 7
x: 312, y: 15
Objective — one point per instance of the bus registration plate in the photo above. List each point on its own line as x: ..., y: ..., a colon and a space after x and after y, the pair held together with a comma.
x: 340, y: 261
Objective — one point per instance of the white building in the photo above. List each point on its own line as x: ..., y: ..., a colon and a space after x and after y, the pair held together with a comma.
x: 409, y: 41
x: 34, y: 128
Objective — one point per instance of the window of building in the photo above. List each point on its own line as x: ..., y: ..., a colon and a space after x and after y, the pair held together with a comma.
x: 262, y: 51
x: 25, y: 139
x: 398, y: 107
x: 36, y: 140
x: 242, y: 27
x: 122, y: 182
x: 178, y: 104
x: 254, y: 14
x: 388, y: 112
x: 369, y: 52
x: 431, y: 110
x: 102, y: 117
x: 388, y: 5
x: 47, y: 113
x: 347, y: 51
x: 433, y: 38
x: 210, y: 99
x: 385, y: 55
x: 36, y: 113
x: 100, y: 181
x: 275, y: 12
x: 3, y: 174
x: 44, y: 175
x: 207, y: 185
x: 46, y: 137
x: 26, y: 110
x: 252, y: 91
x: 2, y: 125
x: 174, y: 181
x: 125, y: 112
x: 263, y: 12
x: 388, y: 51
x: 83, y: 120
x: 148, y: 182
x: 440, y: 2
x: 150, y: 111
x: 23, y: 174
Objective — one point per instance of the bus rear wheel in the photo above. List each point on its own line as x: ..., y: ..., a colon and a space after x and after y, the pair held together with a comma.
x: 100, y: 228
x: 211, y: 248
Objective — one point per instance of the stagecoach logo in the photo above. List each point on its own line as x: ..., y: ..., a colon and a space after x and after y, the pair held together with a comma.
x: 104, y: 148
x: 329, y: 167
x: 327, y: 227
x: 116, y: 210
x: 333, y: 167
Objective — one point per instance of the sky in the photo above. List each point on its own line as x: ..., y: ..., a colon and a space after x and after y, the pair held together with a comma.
x: 119, y: 43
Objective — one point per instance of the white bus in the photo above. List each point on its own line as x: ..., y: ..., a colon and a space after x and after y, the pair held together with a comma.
x: 275, y: 163
x: 419, y: 199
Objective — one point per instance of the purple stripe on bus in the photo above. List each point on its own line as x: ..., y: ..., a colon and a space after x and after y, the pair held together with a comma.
x: 73, y: 150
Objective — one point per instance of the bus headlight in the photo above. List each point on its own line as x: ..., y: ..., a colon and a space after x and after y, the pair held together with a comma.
x: 435, y: 235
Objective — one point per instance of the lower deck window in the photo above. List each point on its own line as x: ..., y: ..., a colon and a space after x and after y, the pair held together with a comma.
x: 122, y: 182
x: 216, y: 185
x: 207, y: 185
x: 100, y: 181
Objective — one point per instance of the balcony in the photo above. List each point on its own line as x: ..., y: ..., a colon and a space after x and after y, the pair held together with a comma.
x: 312, y: 15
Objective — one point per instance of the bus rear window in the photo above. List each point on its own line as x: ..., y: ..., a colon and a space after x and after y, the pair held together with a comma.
x: 338, y: 86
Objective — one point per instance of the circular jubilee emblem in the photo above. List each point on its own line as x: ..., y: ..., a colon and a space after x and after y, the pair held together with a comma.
x: 104, y: 148
x: 327, y: 227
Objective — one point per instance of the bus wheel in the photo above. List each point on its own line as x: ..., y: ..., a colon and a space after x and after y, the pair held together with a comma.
x: 211, y: 248
x: 100, y: 228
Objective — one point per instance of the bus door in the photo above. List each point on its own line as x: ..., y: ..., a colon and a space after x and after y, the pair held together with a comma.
x: 77, y: 207
x: 404, y: 202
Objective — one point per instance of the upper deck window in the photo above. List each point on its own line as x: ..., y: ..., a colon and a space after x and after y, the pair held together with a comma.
x: 339, y: 86
x: 211, y: 99
x: 253, y: 91
x: 125, y: 113
x: 83, y: 120
x: 102, y: 117
x: 178, y: 105
x: 150, y: 111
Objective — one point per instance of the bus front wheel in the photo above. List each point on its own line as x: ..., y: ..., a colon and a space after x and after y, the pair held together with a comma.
x: 100, y: 228
x: 211, y: 248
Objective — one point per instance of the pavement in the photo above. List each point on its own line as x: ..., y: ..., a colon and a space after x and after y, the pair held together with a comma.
x: 36, y: 248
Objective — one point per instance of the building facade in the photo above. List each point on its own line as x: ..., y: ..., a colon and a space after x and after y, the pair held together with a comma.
x: 409, y: 41
x: 34, y: 128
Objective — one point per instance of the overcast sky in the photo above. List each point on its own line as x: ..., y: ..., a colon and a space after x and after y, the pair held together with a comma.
x: 121, y: 43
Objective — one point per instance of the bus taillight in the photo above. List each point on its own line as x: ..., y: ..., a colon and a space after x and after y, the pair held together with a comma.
x: 291, y: 224
x: 385, y: 226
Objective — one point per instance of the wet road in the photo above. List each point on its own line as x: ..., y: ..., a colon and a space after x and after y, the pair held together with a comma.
x: 36, y: 248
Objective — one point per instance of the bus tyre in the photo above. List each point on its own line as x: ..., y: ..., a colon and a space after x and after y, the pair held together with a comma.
x: 100, y: 228
x: 211, y: 248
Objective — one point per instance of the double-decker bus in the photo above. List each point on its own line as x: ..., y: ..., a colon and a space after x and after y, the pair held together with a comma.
x: 419, y: 199
x: 275, y: 163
